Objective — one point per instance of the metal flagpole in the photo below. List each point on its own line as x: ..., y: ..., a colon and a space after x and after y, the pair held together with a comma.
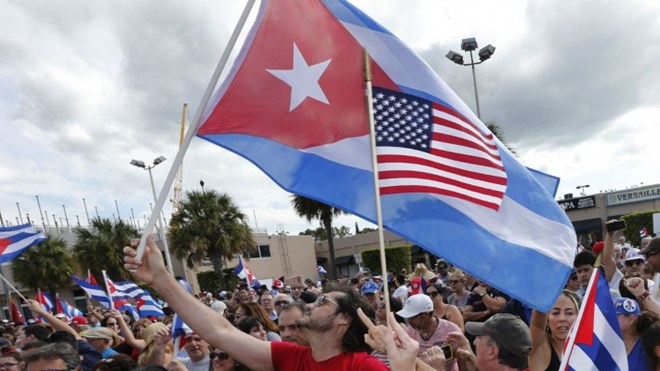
x: 374, y: 164
x: 193, y: 129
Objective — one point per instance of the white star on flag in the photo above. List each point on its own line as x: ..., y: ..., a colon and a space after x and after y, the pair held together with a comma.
x: 303, y: 79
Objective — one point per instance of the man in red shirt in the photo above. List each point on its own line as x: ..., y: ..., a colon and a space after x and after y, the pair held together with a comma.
x: 331, y: 325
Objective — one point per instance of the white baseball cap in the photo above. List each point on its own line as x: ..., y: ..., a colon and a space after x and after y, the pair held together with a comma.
x: 415, y: 305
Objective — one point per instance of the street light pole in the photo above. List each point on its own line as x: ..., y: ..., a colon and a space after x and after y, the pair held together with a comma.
x: 469, y: 45
x: 161, y: 232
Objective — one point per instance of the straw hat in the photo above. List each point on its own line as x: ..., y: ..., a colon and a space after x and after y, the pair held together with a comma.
x: 421, y: 271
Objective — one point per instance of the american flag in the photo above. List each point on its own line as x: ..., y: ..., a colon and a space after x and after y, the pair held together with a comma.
x: 423, y: 146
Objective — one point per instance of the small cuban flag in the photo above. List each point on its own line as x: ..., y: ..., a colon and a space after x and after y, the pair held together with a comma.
x: 243, y: 271
x: 321, y: 270
x: 643, y: 233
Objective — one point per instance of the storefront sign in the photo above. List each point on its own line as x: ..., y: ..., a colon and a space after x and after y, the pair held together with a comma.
x: 578, y: 203
x: 633, y: 195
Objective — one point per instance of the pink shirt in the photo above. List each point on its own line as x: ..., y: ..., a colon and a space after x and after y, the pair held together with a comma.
x: 438, y: 336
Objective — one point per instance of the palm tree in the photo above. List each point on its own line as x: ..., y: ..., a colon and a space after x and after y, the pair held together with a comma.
x: 209, y: 225
x: 101, y: 247
x: 312, y: 209
x: 499, y: 133
x: 46, y: 266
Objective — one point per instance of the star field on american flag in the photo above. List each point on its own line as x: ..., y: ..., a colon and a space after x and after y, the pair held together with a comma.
x: 423, y: 146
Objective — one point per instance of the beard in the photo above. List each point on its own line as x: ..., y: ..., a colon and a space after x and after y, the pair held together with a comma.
x: 306, y: 322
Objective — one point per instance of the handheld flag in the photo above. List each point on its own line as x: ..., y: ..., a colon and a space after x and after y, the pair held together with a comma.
x: 91, y: 278
x: 243, y: 271
x: 69, y: 310
x: 294, y: 107
x: 643, y: 233
x: 45, y: 300
x: 15, y: 240
x: 95, y: 292
x: 118, y: 299
x: 15, y: 312
x: 146, y: 305
x: 595, y: 341
x: 321, y: 270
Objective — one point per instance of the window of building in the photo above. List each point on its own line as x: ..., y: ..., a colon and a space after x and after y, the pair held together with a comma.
x: 80, y: 299
x: 261, y: 251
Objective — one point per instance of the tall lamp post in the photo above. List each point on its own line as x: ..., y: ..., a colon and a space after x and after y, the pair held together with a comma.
x: 469, y: 45
x: 161, y: 232
x: 581, y: 188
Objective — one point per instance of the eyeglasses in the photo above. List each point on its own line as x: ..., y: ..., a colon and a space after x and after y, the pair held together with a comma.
x: 451, y: 282
x: 282, y: 302
x: 433, y: 294
x: 636, y: 262
x: 220, y: 355
x: 7, y: 365
x: 324, y: 299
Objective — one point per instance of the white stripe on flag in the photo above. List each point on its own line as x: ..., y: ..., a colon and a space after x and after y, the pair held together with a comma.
x: 610, y: 339
x: 581, y: 361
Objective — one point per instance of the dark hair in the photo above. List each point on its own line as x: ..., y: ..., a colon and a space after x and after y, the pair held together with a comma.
x: 10, y: 351
x: 248, y: 323
x: 584, y: 257
x: 651, y: 339
x: 400, y: 279
x: 63, y: 337
x: 118, y: 362
x: 61, y: 351
x: 39, y: 331
x: 150, y: 368
x: 645, y: 320
x: 395, y: 306
x: 353, y: 339
x: 511, y: 359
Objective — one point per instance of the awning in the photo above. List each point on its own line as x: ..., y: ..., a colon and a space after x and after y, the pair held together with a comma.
x: 587, y: 225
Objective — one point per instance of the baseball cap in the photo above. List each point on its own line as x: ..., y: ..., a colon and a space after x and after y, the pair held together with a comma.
x: 634, y: 254
x: 626, y: 306
x: 415, y: 305
x: 508, y: 331
x: 369, y: 288
x: 278, y: 284
x: 78, y: 320
x: 653, y: 247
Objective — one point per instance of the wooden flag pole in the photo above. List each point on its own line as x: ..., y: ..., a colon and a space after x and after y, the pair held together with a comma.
x: 374, y: 164
x: 155, y: 214
x: 12, y: 287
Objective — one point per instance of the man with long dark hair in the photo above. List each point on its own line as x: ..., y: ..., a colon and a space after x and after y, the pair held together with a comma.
x: 331, y: 325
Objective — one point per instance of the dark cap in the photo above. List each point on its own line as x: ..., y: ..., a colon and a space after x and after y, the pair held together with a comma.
x: 507, y: 330
x: 653, y: 247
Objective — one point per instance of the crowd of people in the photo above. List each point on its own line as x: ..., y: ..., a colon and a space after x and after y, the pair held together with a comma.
x: 440, y: 319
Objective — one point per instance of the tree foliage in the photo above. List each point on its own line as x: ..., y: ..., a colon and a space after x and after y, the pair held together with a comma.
x: 315, y: 210
x: 45, y: 266
x: 499, y: 133
x: 209, y: 225
x: 101, y: 247
x: 319, y: 234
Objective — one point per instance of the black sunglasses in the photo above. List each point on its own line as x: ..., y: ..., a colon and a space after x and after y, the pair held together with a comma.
x: 631, y: 262
x: 221, y: 355
x: 433, y: 294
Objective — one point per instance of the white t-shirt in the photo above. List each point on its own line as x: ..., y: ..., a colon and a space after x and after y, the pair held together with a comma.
x: 401, y: 293
x: 202, y: 365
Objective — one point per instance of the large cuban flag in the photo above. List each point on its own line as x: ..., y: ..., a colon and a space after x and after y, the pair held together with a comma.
x: 294, y: 105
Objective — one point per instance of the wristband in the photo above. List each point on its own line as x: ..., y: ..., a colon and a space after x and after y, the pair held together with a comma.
x: 643, y: 297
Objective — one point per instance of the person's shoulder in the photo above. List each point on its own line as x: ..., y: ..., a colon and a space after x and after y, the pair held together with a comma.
x: 367, y: 362
x: 287, y: 347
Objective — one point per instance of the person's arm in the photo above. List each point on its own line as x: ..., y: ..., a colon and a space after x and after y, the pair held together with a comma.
x: 540, y: 356
x: 95, y: 311
x: 636, y: 286
x: 494, y: 304
x: 56, y: 323
x: 467, y: 361
x: 432, y: 359
x: 400, y: 348
x: 126, y: 331
x: 470, y: 315
x: 159, y: 355
x: 222, y: 334
x: 455, y: 316
x: 608, y: 260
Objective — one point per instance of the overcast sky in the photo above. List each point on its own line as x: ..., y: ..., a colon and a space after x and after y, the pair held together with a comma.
x: 86, y: 86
